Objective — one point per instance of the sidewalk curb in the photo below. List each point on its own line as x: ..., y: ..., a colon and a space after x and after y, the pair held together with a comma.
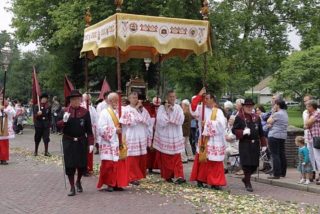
x: 288, y: 185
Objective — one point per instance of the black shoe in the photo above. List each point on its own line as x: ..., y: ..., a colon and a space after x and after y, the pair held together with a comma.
x: 79, y: 186
x: 200, y: 184
x: 180, y: 181
x: 109, y: 189
x: 169, y: 180
x: 35, y: 154
x: 136, y: 183
x: 47, y: 154
x: 3, y: 162
x: 86, y: 174
x: 226, y: 171
x: 118, y: 188
x: 216, y: 187
x: 150, y: 171
x: 249, y: 189
x: 72, y: 192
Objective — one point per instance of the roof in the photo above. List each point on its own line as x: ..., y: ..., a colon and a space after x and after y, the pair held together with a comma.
x: 262, y: 84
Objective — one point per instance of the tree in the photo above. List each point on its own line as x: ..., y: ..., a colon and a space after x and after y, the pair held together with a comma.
x: 297, y: 75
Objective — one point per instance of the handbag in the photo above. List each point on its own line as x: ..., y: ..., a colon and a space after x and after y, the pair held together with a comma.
x: 203, y: 141
x: 123, y: 148
x: 316, y: 141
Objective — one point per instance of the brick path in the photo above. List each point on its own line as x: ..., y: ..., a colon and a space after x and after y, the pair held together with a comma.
x: 29, y: 186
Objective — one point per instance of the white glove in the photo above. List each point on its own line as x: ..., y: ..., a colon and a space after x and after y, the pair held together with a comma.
x: 90, y: 148
x: 66, y: 117
x: 246, y: 131
x: 263, y: 149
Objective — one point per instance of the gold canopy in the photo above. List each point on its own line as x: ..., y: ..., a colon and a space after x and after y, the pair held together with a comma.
x: 140, y: 36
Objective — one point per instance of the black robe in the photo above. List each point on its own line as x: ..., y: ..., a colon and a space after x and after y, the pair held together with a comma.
x: 249, y: 145
x: 78, y: 126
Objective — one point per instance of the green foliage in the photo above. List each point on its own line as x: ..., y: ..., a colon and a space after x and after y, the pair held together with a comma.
x: 249, y: 41
x: 296, y: 76
x: 295, y: 118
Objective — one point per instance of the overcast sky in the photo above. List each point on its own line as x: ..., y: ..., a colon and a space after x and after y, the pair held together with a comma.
x: 6, y: 20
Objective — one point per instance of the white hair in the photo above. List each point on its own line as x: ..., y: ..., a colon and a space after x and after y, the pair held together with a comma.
x: 185, y: 102
x: 228, y: 105
x: 240, y: 101
x: 112, y: 95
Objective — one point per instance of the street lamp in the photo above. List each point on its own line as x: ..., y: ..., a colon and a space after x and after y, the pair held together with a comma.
x: 147, y: 62
x: 6, y: 53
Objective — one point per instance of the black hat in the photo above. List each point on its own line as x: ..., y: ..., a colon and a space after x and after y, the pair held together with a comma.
x: 44, y: 95
x: 248, y: 102
x: 74, y: 93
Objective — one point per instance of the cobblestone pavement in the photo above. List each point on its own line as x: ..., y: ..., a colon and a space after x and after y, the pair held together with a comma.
x: 30, y: 186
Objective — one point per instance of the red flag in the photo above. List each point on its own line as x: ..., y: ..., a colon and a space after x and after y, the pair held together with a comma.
x: 35, y: 87
x: 68, y: 87
x: 105, y: 88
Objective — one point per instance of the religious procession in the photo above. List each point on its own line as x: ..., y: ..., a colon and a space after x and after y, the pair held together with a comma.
x: 141, y: 121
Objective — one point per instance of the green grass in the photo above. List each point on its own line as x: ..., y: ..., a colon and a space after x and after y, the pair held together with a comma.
x: 295, y: 118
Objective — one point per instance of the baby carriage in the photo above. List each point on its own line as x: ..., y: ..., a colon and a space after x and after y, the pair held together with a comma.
x: 265, y: 161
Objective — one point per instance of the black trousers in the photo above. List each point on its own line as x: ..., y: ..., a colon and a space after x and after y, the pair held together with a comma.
x: 277, y: 149
x: 42, y: 133
x: 72, y: 171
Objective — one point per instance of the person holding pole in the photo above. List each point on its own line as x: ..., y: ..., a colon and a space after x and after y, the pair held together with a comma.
x: 77, y: 140
x: 42, y: 118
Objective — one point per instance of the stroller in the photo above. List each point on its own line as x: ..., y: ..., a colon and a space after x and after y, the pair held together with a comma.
x: 265, y: 161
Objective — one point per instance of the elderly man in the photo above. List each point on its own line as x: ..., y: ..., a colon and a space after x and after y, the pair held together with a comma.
x: 211, y: 170
x: 169, y: 141
x: 86, y: 103
x: 77, y: 140
x: 135, y: 120
x: 113, y: 171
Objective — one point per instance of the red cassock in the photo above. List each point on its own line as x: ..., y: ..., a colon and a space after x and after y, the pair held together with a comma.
x: 170, y: 165
x: 210, y: 172
x: 113, y: 174
x: 137, y: 167
x: 4, y: 150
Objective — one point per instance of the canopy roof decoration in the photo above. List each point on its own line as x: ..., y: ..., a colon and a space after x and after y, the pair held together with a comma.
x: 140, y: 36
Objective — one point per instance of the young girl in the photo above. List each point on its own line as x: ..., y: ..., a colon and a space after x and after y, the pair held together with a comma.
x: 304, y: 165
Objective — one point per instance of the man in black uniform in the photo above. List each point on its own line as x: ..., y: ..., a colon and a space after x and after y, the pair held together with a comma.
x: 42, y: 118
x: 77, y: 140
x: 248, y: 129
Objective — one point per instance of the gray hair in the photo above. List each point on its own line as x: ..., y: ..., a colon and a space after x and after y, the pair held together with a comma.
x: 313, y: 103
x: 185, y: 102
x: 112, y: 95
x: 240, y: 101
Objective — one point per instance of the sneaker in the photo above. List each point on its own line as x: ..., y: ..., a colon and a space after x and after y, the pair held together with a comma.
x: 307, y: 182
x: 302, y: 181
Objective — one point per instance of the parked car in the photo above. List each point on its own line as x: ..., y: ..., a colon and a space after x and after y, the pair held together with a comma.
x: 292, y: 103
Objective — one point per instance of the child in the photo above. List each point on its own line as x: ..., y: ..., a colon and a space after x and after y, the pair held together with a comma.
x: 304, y: 165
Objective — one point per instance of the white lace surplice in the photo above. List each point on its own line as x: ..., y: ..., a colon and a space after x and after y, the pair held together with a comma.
x: 135, y: 128
x: 168, y: 134
x: 215, y: 130
x: 109, y: 142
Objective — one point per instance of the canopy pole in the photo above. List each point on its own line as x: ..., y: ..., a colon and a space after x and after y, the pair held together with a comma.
x: 87, y: 19
x: 204, y: 13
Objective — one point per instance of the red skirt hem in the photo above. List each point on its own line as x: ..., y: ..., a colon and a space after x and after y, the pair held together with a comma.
x: 4, y: 150
x: 113, y: 174
x: 210, y: 172
x: 137, y: 166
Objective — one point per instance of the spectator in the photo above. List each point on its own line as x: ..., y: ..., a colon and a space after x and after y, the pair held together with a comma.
x: 306, y: 131
x: 20, y: 117
x: 304, y: 164
x: 278, y: 124
x: 261, y: 112
x: 313, y: 125
x: 239, y: 103
x: 55, y: 110
x: 187, y: 153
x: 228, y: 107
x: 232, y: 142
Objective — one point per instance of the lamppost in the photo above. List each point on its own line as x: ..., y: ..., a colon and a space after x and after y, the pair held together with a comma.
x: 6, y: 57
